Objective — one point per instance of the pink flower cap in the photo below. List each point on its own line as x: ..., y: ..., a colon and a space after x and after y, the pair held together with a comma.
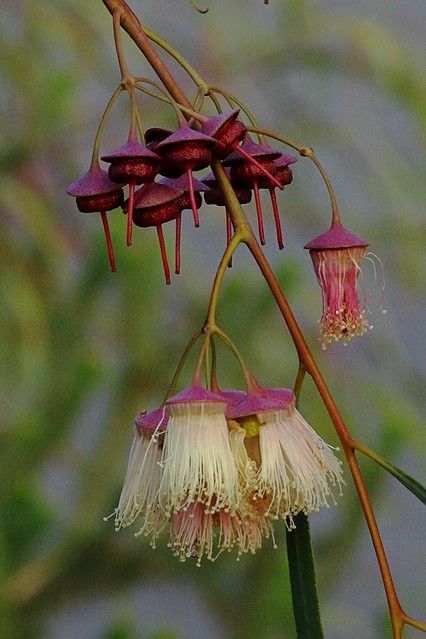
x: 155, y: 194
x: 262, y: 400
x: 337, y: 237
x: 152, y: 419
x: 155, y: 134
x: 183, y: 135
x: 196, y: 394
x: 232, y: 396
x: 182, y: 183
x: 285, y: 160
x: 131, y: 150
x: 94, y: 182
x: 210, y: 179
x: 212, y: 125
x: 255, y: 150
x: 284, y: 395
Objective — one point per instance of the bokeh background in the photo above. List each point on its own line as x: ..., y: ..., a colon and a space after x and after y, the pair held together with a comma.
x: 82, y: 350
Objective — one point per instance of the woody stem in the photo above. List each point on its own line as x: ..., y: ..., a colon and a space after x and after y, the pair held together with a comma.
x: 116, y: 19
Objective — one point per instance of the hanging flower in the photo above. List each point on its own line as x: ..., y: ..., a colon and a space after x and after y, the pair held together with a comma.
x: 296, y: 468
x: 336, y: 256
x: 200, y: 488
x: 142, y: 481
x: 197, y: 458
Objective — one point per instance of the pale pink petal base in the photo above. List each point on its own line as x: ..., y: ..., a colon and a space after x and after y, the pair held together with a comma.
x: 343, y: 315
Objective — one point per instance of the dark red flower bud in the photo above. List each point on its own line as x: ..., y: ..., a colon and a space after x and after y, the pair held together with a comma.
x: 250, y: 163
x: 132, y: 163
x: 284, y: 174
x: 156, y: 204
x: 183, y: 184
x: 96, y: 193
x: 226, y: 129
x: 187, y: 150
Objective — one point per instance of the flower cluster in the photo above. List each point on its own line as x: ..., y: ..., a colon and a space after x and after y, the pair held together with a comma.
x: 218, y: 468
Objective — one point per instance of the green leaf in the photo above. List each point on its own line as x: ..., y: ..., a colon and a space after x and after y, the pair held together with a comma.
x: 303, y: 582
x: 415, y: 487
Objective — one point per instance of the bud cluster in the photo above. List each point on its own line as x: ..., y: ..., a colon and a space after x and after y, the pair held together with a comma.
x: 158, y: 165
x: 163, y: 167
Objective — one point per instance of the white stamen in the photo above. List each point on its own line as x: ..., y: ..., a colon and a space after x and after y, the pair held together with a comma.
x: 142, y: 480
x: 297, y: 466
x: 197, y: 458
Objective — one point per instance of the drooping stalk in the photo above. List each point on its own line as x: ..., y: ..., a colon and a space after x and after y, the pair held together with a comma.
x: 131, y: 24
x: 306, y: 152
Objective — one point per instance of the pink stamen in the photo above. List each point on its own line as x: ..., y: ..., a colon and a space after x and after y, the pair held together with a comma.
x: 280, y: 240
x: 130, y: 213
x: 259, y: 214
x: 108, y: 241
x: 163, y: 254
x: 259, y: 166
x: 177, y: 243
x: 192, y: 198
x: 228, y: 234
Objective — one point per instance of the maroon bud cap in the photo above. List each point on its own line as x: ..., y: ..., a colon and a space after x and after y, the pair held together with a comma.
x: 156, y: 204
x: 227, y: 130
x: 282, y: 173
x: 156, y: 215
x: 187, y: 148
x: 182, y: 183
x: 254, y: 150
x: 155, y: 135
x: 95, y: 192
x: 133, y: 162
x: 214, y: 195
x: 155, y: 194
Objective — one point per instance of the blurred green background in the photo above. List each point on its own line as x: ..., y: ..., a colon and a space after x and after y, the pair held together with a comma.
x: 82, y: 350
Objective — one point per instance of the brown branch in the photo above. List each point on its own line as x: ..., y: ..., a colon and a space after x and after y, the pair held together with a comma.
x: 133, y: 27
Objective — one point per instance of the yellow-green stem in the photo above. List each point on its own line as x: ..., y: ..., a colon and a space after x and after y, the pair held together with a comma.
x: 167, y: 99
x: 215, y: 101
x: 154, y: 37
x: 307, y: 152
x: 298, y: 383
x: 116, y: 20
x: 96, y: 144
x: 234, y: 101
x: 248, y: 376
x: 415, y: 623
x: 210, y: 322
x: 172, y: 387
